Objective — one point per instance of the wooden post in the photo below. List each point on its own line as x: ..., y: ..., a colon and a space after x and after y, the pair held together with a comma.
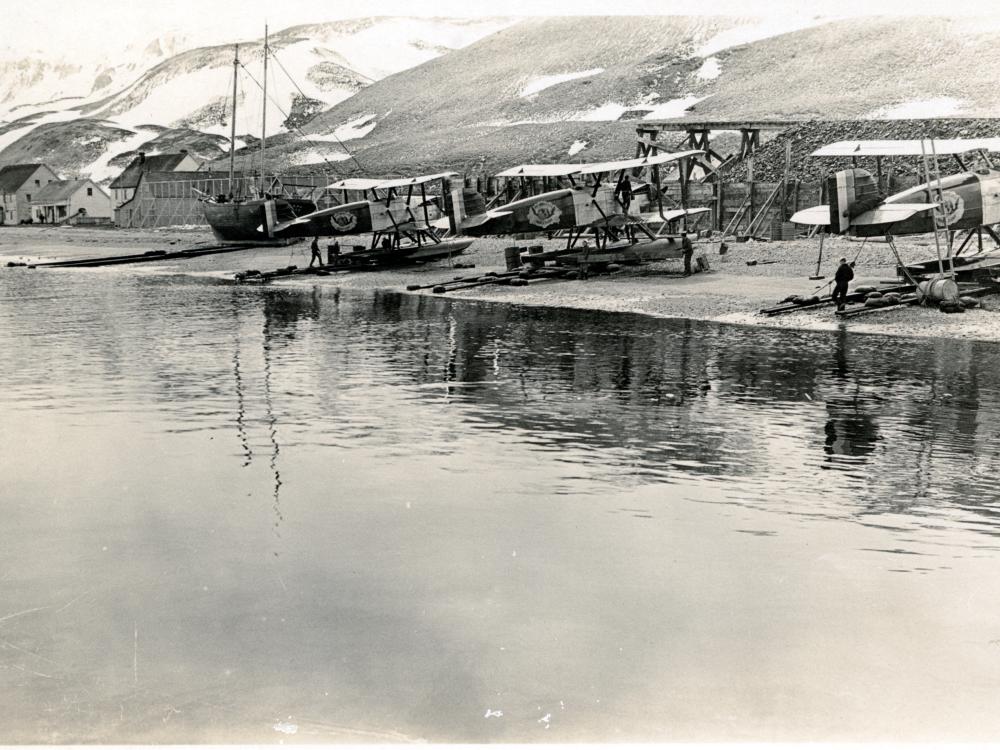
x: 685, y: 176
x: 720, y: 206
x: 784, y: 182
x: 751, y: 213
x: 819, y: 260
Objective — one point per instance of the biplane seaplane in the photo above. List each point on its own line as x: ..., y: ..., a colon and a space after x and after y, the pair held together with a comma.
x: 592, y: 201
x: 399, y: 214
x: 968, y: 200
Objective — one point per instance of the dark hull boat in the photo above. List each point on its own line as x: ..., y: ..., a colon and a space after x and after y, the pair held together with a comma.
x: 254, y: 220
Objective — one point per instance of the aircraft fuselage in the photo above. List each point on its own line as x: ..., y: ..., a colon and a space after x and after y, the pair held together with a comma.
x: 971, y: 199
x: 557, y: 209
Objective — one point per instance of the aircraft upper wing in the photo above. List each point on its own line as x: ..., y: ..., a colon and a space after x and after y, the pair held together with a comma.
x: 564, y: 170
x: 541, y: 170
x: 367, y: 183
x: 418, y: 180
x: 354, y: 183
x: 812, y: 216
x: 942, y: 147
x: 890, y: 213
x: 643, y: 161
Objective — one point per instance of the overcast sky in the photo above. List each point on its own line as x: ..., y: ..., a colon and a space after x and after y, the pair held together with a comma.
x: 58, y: 28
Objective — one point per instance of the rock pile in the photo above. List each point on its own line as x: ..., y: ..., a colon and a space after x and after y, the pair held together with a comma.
x: 769, y: 162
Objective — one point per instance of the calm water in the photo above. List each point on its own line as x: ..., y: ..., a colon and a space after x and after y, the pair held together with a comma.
x: 304, y: 515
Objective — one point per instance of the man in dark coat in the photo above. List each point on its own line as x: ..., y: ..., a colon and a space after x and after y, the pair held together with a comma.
x: 316, y: 258
x: 841, y: 279
x: 688, y: 252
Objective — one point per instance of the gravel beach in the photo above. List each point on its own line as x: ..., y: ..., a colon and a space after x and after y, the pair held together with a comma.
x: 733, y: 291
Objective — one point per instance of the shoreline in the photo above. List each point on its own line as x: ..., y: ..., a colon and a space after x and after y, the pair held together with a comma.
x: 732, y: 292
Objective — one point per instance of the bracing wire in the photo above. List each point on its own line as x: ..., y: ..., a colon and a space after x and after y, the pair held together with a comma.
x: 297, y: 129
x: 303, y: 94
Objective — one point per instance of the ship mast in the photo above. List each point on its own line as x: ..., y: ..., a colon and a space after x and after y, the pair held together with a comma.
x: 263, y: 122
x: 232, y: 130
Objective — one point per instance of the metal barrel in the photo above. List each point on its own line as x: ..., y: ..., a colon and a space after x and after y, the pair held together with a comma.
x: 938, y: 289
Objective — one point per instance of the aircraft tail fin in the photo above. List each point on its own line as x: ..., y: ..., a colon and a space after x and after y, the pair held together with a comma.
x: 460, y: 203
x: 851, y: 192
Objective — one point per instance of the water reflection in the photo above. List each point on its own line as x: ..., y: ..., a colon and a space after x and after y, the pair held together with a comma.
x: 850, y: 429
x: 624, y: 396
x: 457, y: 501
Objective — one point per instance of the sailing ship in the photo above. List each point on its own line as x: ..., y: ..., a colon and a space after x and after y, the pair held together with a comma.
x: 245, y: 219
x: 406, y: 223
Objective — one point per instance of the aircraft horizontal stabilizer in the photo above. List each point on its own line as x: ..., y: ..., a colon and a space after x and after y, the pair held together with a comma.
x: 671, y: 214
x: 480, y: 219
x: 891, y: 213
x: 812, y: 216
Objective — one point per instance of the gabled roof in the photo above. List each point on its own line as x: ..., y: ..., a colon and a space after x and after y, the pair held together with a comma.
x: 129, y: 178
x: 61, y: 191
x: 14, y: 176
x: 193, y: 176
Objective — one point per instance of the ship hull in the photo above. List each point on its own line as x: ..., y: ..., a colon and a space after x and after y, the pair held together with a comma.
x: 248, y: 221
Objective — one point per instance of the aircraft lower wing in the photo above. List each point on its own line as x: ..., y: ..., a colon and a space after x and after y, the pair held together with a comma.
x: 674, y: 213
x: 890, y: 213
x: 812, y: 216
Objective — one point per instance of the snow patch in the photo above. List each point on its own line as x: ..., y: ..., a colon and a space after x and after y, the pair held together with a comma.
x: 577, y: 147
x: 754, y: 32
x: 101, y: 169
x: 540, y: 83
x: 942, y: 106
x: 403, y: 43
x: 709, y: 70
x: 10, y: 137
x: 606, y: 112
x: 316, y: 156
x: 349, y: 131
x: 673, y: 108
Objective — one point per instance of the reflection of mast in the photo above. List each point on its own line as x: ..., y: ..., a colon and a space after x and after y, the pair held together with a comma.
x: 263, y: 120
x: 240, y: 403
x: 272, y: 428
x: 232, y: 129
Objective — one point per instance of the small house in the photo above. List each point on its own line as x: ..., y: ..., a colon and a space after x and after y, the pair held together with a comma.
x: 70, y: 199
x: 20, y: 184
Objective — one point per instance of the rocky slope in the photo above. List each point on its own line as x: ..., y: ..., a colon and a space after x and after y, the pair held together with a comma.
x: 557, y: 89
x: 408, y: 95
x: 809, y: 136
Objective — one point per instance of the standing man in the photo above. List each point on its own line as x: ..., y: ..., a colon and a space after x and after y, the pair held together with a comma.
x: 333, y: 253
x: 688, y: 252
x: 316, y: 256
x: 841, y: 279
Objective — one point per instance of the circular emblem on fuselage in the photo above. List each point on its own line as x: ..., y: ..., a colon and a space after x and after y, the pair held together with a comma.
x: 954, y: 206
x: 544, y: 213
x: 344, y: 221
